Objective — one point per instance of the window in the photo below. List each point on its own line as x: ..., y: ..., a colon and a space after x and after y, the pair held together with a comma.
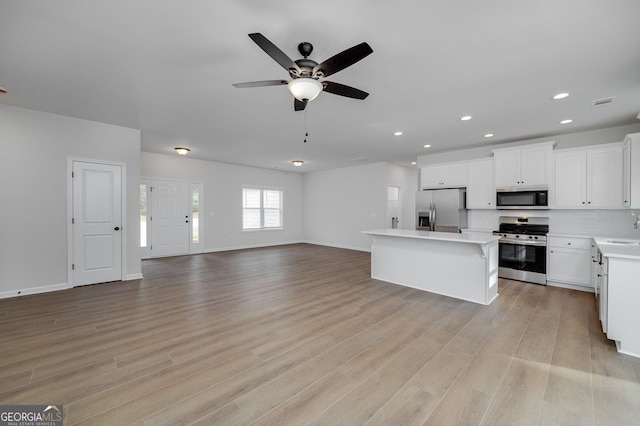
x: 195, y: 214
x: 261, y: 208
x: 143, y: 214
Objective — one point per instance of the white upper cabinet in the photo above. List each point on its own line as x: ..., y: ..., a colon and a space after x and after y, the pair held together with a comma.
x: 589, y: 178
x: 481, y: 192
x: 443, y: 176
x: 523, y: 166
x: 631, y: 171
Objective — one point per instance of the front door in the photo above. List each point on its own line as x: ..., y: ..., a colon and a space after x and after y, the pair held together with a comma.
x: 170, y: 218
x: 97, y: 223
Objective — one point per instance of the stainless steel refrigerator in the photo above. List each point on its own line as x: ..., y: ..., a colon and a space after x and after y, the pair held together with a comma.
x: 442, y: 210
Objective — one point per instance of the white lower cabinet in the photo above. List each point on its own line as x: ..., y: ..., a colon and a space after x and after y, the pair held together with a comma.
x: 569, y: 260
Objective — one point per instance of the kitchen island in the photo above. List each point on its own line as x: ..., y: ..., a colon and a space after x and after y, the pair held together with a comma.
x: 464, y: 266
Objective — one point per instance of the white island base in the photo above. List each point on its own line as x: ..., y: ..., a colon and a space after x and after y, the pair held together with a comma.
x: 464, y: 266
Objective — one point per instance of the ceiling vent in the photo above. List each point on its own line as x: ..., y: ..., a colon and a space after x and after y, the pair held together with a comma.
x: 602, y: 102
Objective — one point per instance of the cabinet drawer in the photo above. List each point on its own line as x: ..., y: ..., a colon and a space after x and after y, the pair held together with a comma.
x: 570, y: 242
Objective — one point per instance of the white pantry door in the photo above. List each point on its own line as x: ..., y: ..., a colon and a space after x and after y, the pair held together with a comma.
x: 170, y: 217
x: 97, y: 223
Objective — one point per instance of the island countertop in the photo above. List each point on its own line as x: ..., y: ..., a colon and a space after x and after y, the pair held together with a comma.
x: 469, y: 237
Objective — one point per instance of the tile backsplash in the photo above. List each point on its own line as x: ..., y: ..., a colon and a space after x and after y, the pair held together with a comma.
x: 613, y: 223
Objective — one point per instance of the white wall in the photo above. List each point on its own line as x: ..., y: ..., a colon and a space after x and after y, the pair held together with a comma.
x: 34, y: 150
x: 222, y: 213
x: 341, y: 203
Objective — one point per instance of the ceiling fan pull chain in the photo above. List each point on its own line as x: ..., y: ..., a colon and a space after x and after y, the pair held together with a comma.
x: 306, y: 132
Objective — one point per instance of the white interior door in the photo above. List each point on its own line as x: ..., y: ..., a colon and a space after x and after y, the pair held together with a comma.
x: 170, y: 218
x: 97, y: 223
x: 393, y: 206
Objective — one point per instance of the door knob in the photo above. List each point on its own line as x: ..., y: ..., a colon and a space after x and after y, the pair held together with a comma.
x: 117, y: 228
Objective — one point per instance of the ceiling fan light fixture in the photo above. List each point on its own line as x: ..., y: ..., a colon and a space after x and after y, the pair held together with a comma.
x: 182, y: 151
x: 305, y: 88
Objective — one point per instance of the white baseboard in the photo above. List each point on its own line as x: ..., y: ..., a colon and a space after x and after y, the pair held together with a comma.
x: 570, y: 286
x: 318, y: 243
x: 130, y: 277
x: 32, y: 290
x: 244, y: 247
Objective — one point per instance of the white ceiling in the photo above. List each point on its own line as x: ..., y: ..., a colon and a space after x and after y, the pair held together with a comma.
x: 167, y: 67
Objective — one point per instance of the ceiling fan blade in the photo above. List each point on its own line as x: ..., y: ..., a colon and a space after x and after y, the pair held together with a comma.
x: 260, y: 83
x: 272, y: 50
x: 343, y: 59
x: 342, y: 90
x: 299, y: 105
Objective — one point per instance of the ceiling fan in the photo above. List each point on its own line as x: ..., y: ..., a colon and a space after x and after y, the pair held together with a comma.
x: 305, y: 84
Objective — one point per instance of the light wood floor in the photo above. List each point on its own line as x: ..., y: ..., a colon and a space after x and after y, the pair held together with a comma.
x: 301, y: 334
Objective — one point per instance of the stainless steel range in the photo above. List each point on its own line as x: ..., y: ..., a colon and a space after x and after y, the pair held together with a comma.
x: 523, y: 248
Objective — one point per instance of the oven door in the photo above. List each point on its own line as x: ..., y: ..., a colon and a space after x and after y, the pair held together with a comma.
x: 523, y: 261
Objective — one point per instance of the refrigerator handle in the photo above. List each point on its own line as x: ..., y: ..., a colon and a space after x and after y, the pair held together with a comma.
x: 432, y: 221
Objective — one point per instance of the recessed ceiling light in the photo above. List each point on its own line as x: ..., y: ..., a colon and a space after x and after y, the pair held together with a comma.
x: 182, y: 151
x: 427, y: 146
x: 413, y: 163
x: 398, y: 133
x: 567, y: 121
x: 489, y: 135
x: 297, y: 163
x: 560, y: 96
x: 465, y: 118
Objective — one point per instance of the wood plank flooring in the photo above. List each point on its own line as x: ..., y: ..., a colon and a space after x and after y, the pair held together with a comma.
x: 300, y: 334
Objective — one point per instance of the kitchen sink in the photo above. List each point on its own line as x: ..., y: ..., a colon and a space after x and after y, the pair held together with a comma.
x: 623, y: 242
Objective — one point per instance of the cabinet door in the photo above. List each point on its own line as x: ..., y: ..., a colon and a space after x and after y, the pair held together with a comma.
x: 481, y: 192
x: 507, y: 168
x: 604, y: 178
x: 570, y: 182
x: 454, y: 175
x: 603, y: 302
x: 430, y: 177
x: 570, y: 266
x: 534, y: 166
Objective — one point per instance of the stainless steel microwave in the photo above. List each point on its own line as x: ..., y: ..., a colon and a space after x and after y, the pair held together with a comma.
x: 522, y: 199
